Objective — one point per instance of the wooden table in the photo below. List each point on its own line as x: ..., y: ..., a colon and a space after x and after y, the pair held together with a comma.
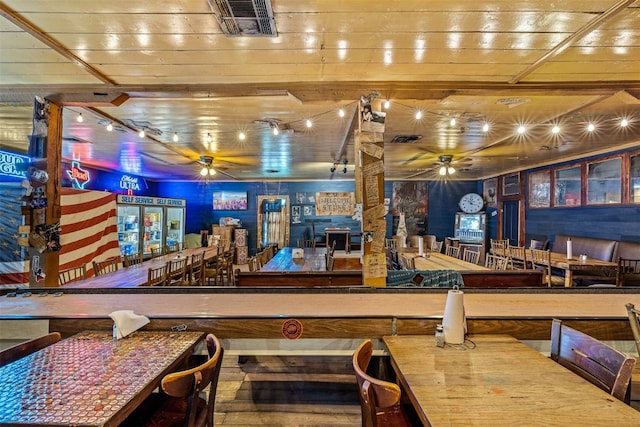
x: 283, y: 261
x: 438, y: 261
x: 500, y: 382
x: 90, y: 379
x: 137, y: 275
x: 334, y: 230
x: 574, y: 265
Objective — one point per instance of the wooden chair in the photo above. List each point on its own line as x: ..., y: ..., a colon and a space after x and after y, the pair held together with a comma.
x: 156, y: 252
x: 172, y: 248
x: 406, y: 262
x: 23, y: 349
x: 379, y: 399
x: 132, y: 259
x: 499, y: 247
x: 332, y: 250
x: 518, y: 256
x: 215, y: 270
x: 305, y: 243
x: 253, y: 264
x: 330, y: 262
x: 437, y: 246
x: 176, y: 271
x: 318, y: 238
x: 72, y: 274
x: 195, y: 273
x: 471, y: 256
x: 627, y: 268
x: 107, y: 266
x: 157, y: 276
x: 634, y: 320
x: 541, y: 260
x: 181, y: 403
x: 593, y: 360
x: 390, y: 243
x: 453, y: 251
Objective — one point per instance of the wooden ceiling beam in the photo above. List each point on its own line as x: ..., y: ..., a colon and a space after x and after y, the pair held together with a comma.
x: 577, y: 35
x: 18, y: 20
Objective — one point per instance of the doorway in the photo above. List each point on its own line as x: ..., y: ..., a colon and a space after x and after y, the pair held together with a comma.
x: 511, y: 221
x: 273, y: 221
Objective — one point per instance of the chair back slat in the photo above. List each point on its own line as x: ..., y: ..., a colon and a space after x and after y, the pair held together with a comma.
x: 176, y: 270
x: 593, y: 360
x: 107, y: 266
x: 453, y: 251
x: 72, y: 274
x: 157, y: 276
x: 471, y: 256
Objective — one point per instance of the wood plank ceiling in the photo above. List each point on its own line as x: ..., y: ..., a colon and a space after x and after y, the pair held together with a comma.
x: 503, y: 63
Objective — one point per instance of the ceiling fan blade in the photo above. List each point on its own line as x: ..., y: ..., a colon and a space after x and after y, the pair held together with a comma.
x: 416, y: 174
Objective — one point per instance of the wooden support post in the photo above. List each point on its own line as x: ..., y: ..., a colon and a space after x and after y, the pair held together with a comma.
x: 54, y: 165
x: 369, y: 146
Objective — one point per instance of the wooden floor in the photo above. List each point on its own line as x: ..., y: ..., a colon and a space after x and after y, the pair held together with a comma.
x: 287, y: 391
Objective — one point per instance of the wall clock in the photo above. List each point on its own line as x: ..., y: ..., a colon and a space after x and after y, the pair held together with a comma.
x: 471, y: 203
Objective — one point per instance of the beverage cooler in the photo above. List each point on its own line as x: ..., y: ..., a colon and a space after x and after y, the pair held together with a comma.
x: 149, y: 222
x: 470, y: 228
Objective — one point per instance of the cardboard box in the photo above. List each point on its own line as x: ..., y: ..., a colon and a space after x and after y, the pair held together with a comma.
x: 240, y: 236
x: 242, y: 255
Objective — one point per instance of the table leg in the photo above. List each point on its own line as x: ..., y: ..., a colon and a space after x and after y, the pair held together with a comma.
x: 568, y: 278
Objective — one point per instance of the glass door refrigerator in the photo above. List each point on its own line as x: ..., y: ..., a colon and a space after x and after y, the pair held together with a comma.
x: 128, y: 229
x: 175, y: 225
x: 149, y: 222
x: 153, y: 236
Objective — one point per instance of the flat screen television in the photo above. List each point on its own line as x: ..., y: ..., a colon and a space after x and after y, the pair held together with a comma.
x: 229, y: 200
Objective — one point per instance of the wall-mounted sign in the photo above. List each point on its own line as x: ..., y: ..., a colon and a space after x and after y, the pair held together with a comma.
x: 11, y: 164
x: 155, y: 201
x: 130, y: 183
x: 79, y: 177
x: 335, y: 203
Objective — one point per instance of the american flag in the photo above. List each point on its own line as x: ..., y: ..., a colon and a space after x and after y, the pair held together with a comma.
x: 88, y: 229
x: 14, y: 267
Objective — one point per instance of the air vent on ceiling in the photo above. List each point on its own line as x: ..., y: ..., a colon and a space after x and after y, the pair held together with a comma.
x: 405, y: 139
x: 245, y: 17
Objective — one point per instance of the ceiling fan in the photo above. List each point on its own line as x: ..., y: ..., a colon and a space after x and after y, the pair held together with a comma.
x: 277, y: 126
x: 445, y: 166
x: 208, y: 168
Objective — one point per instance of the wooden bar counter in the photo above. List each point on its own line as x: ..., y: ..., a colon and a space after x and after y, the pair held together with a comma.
x: 336, y: 313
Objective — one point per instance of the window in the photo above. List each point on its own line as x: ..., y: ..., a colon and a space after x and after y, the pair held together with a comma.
x: 511, y: 185
x: 540, y: 189
x: 567, y: 188
x: 604, y: 183
x: 634, y: 179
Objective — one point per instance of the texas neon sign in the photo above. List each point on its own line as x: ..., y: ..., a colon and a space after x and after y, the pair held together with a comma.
x: 79, y: 177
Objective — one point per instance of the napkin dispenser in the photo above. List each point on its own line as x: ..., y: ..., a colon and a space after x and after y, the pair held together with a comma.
x: 297, y: 253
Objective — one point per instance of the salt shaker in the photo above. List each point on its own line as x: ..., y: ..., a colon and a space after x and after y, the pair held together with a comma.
x: 439, y: 336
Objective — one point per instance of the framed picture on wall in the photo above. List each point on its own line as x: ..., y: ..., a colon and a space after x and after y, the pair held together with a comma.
x: 490, y: 192
x: 511, y: 184
x: 229, y: 200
